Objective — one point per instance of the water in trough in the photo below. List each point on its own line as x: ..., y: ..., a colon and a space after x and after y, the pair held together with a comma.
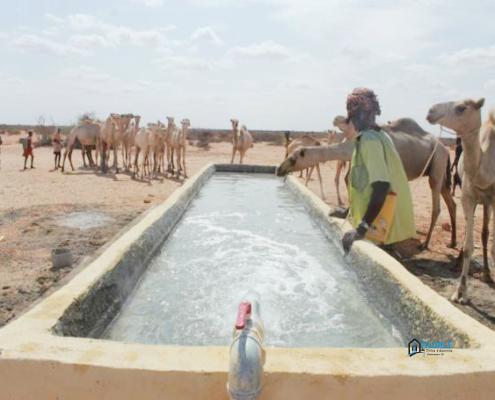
x: 249, y: 232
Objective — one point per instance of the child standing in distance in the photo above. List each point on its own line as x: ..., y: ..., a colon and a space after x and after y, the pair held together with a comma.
x: 57, y: 147
x: 28, y: 150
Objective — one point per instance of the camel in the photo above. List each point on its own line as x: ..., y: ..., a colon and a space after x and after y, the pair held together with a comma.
x: 111, y: 134
x: 171, y: 128
x: 128, y: 141
x: 179, y: 142
x: 143, y: 143
x: 477, y: 168
x: 419, y: 151
x: 341, y: 123
x: 87, y: 133
x: 241, y: 139
x: 305, y: 140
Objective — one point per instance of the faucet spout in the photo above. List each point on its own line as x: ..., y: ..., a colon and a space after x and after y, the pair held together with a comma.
x: 247, y: 355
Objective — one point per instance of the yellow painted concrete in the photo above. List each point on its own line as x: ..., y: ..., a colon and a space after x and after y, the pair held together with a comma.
x: 36, y: 364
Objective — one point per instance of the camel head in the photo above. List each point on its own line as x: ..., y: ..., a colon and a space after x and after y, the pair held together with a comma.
x: 333, y: 137
x: 342, y: 123
x: 185, y: 123
x: 461, y: 116
x: 296, y: 161
x: 137, y: 120
x: 170, y: 121
x: 235, y: 123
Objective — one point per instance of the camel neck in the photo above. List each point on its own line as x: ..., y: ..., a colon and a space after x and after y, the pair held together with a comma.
x: 472, y: 151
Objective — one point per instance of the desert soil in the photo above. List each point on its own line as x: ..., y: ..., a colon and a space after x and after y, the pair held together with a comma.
x: 35, y: 203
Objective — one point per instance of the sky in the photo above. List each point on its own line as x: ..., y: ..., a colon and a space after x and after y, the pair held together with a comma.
x: 273, y: 64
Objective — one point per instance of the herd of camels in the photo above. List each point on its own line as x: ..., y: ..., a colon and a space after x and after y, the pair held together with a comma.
x: 422, y: 155
x: 153, y: 145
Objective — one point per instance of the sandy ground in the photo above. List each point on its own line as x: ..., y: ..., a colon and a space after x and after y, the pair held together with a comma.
x: 35, y: 203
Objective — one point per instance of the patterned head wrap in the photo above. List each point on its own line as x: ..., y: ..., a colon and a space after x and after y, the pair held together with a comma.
x: 363, y: 100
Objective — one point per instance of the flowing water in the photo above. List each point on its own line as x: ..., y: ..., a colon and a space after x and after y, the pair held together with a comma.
x: 242, y: 233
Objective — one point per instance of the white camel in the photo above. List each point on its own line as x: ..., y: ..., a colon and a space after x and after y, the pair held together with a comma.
x: 87, y: 133
x: 143, y: 143
x: 242, y: 140
x: 477, y: 168
x: 111, y: 134
x: 419, y: 151
x: 128, y: 140
x: 179, y: 143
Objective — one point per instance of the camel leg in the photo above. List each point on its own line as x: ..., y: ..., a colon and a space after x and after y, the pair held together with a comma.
x: 70, y: 160
x: 485, y: 276
x: 435, y: 211
x: 115, y: 161
x: 136, y: 166
x: 233, y: 155
x: 83, y: 153
x: 493, y: 246
x: 241, y: 156
x: 184, y: 161
x: 103, y: 156
x: 178, y: 162
x: 172, y: 166
x: 90, y: 156
x: 460, y: 295
x: 340, y: 166
x: 63, y: 162
x: 452, y: 207
x: 308, y: 175
x: 321, y: 182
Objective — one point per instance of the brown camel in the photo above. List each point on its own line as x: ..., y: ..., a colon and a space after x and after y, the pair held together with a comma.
x: 306, y: 140
x: 420, y: 154
x: 477, y: 168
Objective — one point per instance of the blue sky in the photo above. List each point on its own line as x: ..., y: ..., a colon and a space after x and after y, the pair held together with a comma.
x: 274, y: 64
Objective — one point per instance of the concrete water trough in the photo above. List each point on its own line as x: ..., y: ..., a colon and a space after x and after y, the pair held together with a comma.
x: 61, y: 347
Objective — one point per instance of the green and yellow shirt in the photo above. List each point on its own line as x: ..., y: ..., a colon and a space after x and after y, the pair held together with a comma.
x: 375, y: 159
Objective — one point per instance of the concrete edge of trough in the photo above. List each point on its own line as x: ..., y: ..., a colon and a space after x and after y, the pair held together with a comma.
x: 28, y: 346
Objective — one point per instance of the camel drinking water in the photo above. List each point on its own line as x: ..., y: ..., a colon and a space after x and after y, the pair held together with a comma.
x: 305, y: 140
x: 419, y: 151
x: 477, y: 169
x: 242, y: 140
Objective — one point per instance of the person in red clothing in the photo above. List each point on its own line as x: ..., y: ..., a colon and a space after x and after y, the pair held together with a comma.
x: 28, y: 149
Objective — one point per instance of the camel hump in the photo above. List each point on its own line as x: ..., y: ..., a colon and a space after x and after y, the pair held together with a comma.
x: 406, y: 125
x: 491, y: 116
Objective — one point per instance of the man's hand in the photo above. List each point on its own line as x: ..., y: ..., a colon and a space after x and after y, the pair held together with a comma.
x: 351, y: 236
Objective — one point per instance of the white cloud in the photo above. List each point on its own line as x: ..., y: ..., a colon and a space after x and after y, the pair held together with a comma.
x: 267, y: 50
x: 207, y: 33
x: 90, y: 41
x: 478, y: 57
x: 149, y: 3
x: 28, y: 42
x: 91, y: 32
x: 181, y: 63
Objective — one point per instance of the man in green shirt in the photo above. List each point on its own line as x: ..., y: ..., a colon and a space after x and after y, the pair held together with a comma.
x: 376, y: 171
